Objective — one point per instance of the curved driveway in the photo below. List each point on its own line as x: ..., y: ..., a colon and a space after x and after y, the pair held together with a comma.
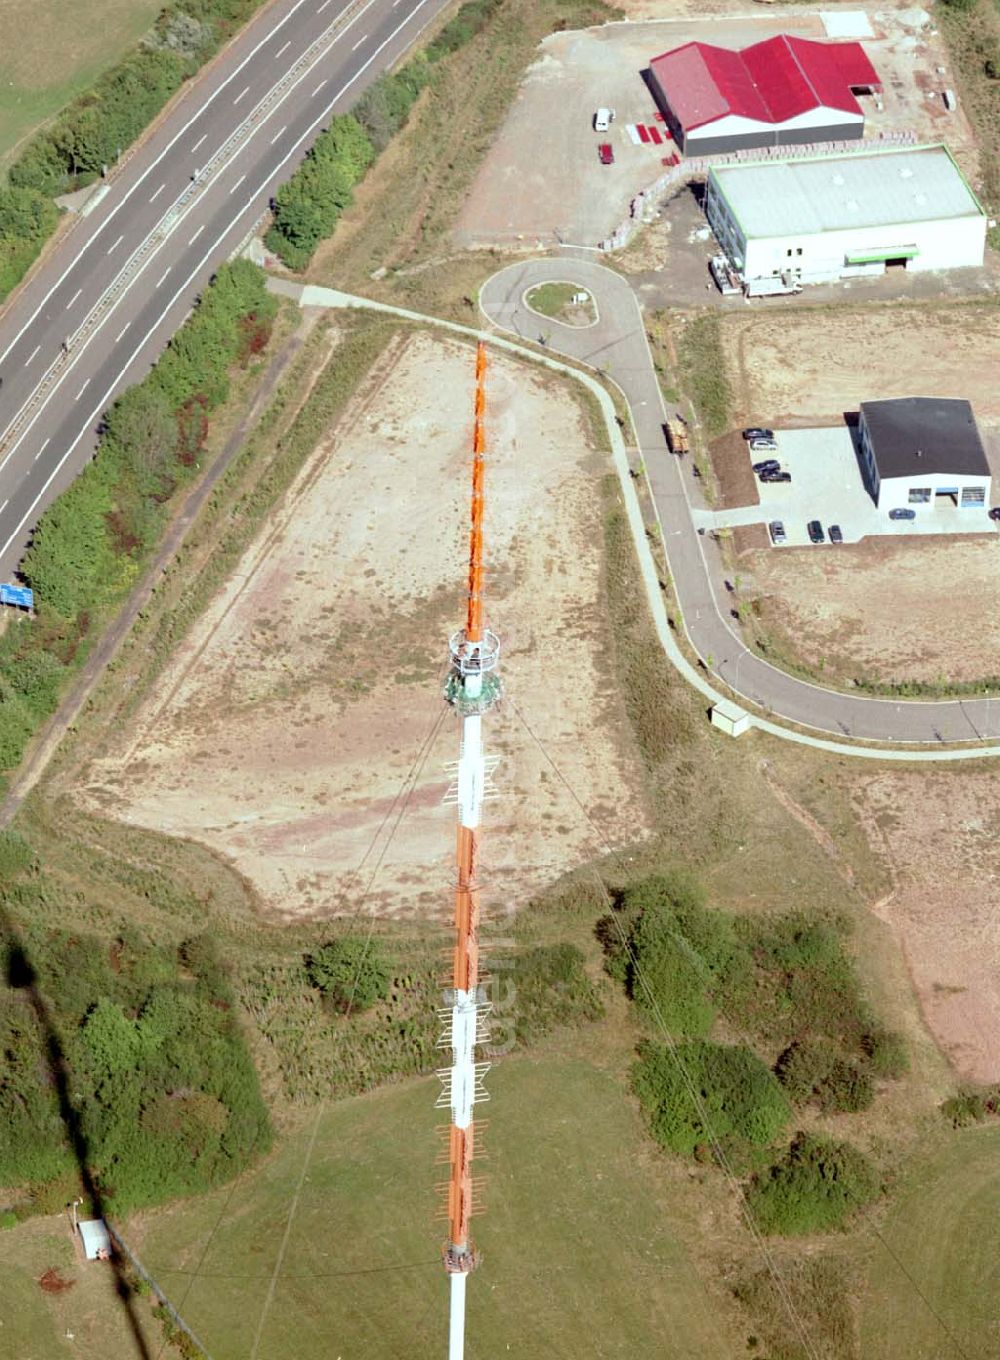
x: 617, y: 347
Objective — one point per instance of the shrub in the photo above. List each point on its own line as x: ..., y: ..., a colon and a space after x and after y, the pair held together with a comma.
x: 811, y: 1069
x: 552, y: 989
x: 886, y: 1053
x: 351, y: 972
x: 738, y: 1099
x: 309, y: 205
x: 814, y: 1188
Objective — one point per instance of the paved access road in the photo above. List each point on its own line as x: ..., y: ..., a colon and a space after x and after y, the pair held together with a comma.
x: 617, y: 345
x: 175, y: 208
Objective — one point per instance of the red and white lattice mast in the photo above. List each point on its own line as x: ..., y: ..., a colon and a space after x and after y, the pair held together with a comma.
x: 472, y: 688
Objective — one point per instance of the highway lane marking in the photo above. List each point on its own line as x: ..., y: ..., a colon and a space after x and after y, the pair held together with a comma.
x: 197, y: 234
x: 82, y: 390
x: 283, y: 50
x: 122, y: 331
x: 245, y: 90
x: 116, y: 244
x: 323, y: 6
x: 162, y: 276
x: 359, y: 42
x: 237, y: 184
x: 278, y: 134
x: 73, y: 298
x: 158, y: 192
x: 247, y: 207
x: 31, y: 355
x: 202, y: 138
x: 4, y: 506
x: 317, y: 89
x: 145, y: 175
x: 42, y: 449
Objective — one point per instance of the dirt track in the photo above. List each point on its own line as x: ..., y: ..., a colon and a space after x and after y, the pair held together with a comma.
x: 308, y: 697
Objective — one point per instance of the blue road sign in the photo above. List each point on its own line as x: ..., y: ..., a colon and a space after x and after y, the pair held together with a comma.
x: 19, y: 595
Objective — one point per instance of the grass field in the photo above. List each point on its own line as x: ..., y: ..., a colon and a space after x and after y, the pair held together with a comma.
x: 50, y: 51
x: 580, y: 1241
x: 944, y: 1234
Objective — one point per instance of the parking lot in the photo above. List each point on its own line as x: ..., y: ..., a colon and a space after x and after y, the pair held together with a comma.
x: 826, y: 485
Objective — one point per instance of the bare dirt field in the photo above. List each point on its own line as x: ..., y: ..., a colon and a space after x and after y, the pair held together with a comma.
x: 941, y: 834
x: 301, y: 723
x: 887, y: 610
x: 819, y: 363
x: 547, y: 148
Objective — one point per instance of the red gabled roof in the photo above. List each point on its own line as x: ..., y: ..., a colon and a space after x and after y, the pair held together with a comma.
x: 771, y: 82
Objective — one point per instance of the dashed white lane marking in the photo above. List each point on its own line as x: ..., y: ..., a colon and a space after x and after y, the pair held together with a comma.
x: 158, y: 193
x: 197, y: 234
x: 116, y: 244
x: 40, y: 452
x: 242, y: 92
x: 278, y: 134
x: 317, y: 89
x: 362, y: 39
x: 4, y: 506
x: 163, y: 276
x: 202, y: 138
x: 283, y: 49
x: 82, y: 390
x: 31, y: 355
x: 73, y: 298
x: 237, y: 184
x: 122, y: 331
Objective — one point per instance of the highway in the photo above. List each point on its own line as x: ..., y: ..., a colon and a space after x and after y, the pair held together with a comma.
x: 617, y: 347
x: 100, y: 310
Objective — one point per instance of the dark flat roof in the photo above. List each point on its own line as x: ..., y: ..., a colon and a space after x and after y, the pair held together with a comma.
x: 910, y: 435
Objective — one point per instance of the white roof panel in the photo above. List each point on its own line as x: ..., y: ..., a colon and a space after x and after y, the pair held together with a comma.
x: 834, y: 193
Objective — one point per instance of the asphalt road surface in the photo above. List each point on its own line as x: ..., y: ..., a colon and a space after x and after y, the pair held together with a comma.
x: 617, y: 346
x: 99, y: 312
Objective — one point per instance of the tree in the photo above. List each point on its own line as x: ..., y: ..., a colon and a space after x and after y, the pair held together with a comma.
x: 141, y: 430
x: 351, y: 972
x: 813, y: 1188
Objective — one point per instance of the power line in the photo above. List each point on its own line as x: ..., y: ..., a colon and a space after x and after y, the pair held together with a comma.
x: 695, y: 1095
x: 405, y: 791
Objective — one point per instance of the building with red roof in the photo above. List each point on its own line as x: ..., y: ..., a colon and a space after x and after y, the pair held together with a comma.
x: 776, y: 93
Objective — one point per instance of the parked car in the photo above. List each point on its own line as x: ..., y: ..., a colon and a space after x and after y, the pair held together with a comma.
x: 766, y: 465
x: 763, y: 446
x: 995, y: 512
x: 815, y: 530
x: 776, y: 476
x: 603, y: 119
x: 606, y: 153
x: 901, y: 512
x: 777, y: 531
x: 836, y: 536
x: 757, y: 432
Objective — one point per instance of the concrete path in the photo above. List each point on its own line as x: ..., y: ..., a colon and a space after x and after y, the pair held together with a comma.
x: 310, y: 296
x: 617, y: 348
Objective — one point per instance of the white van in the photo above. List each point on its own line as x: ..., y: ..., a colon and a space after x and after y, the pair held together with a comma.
x: 603, y: 119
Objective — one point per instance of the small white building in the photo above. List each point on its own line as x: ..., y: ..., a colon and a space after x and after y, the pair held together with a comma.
x: 826, y: 218
x: 923, y: 453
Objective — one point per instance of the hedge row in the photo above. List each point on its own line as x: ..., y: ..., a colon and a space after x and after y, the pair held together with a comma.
x: 310, y: 205
x: 92, y: 541
x: 99, y: 125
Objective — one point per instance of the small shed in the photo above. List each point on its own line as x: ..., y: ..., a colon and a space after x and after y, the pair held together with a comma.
x: 96, y: 1239
x: 730, y: 718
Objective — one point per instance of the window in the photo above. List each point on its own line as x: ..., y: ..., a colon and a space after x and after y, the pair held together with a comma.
x: 919, y: 495
x: 973, y: 495
x: 798, y: 250
x: 788, y: 252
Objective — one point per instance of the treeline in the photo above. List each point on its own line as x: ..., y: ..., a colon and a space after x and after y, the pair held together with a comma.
x: 786, y: 985
x: 92, y: 131
x: 124, y: 1067
x: 90, y: 544
x: 308, y: 207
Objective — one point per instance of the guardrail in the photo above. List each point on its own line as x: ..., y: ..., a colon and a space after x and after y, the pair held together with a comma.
x: 172, y: 217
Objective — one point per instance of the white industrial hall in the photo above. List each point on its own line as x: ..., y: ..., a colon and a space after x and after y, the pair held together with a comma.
x: 823, y: 218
